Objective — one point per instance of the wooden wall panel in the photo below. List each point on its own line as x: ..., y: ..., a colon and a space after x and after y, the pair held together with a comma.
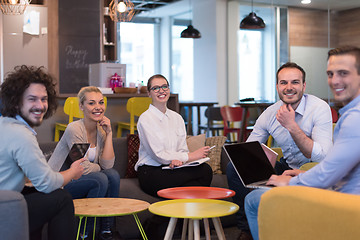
x: 349, y: 30
x: 310, y: 28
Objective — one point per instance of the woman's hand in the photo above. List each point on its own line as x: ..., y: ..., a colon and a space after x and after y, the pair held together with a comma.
x: 175, y: 163
x: 198, y: 154
x: 105, y: 123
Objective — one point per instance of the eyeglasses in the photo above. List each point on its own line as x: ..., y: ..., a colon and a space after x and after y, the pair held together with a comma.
x: 156, y: 89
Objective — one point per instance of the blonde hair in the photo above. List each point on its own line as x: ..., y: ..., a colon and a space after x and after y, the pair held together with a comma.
x: 83, y: 90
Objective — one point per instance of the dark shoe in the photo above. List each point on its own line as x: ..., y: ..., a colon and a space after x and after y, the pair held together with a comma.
x: 106, y: 235
x: 245, y: 236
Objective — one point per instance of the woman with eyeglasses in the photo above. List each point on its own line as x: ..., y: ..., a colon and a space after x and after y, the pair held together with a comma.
x: 163, y: 142
x: 99, y: 179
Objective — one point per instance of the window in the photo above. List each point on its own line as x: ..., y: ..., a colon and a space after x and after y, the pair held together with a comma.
x: 257, y: 51
x: 182, y: 65
x: 137, y: 51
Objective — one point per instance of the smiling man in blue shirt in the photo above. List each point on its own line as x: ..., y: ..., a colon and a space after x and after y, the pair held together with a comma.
x: 300, y: 124
x: 340, y: 170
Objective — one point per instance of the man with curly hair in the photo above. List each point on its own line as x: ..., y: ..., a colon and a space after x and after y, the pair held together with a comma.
x: 28, y: 96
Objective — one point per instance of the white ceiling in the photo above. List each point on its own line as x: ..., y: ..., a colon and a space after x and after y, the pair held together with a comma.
x: 181, y: 8
x: 315, y: 4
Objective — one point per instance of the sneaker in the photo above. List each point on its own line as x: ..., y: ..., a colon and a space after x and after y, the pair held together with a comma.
x: 106, y: 235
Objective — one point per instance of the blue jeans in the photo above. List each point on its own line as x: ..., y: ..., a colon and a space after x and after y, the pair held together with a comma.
x: 241, y: 191
x: 252, y: 201
x: 105, y: 183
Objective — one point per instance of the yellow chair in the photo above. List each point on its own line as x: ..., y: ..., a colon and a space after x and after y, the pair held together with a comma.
x: 278, y: 150
x: 71, y: 108
x: 135, y: 106
x: 299, y: 213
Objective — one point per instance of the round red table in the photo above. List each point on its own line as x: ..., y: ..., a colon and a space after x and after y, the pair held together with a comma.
x: 196, y: 192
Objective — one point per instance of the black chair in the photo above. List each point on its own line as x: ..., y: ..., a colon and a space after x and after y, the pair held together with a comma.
x: 214, y: 122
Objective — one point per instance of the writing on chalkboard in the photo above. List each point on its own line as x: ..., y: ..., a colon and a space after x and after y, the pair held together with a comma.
x: 75, y: 58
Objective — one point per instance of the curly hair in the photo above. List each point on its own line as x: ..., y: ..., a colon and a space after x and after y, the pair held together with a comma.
x: 16, y: 83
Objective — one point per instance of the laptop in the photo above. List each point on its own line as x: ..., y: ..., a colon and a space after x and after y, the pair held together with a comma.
x: 251, y: 163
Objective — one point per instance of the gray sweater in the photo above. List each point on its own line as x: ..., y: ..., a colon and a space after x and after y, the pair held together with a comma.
x: 76, y: 133
x: 20, y: 157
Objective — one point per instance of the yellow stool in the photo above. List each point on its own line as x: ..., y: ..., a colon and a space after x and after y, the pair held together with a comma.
x: 109, y: 207
x: 194, y: 210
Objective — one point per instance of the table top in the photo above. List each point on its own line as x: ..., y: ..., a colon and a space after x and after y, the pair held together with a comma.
x: 196, y: 192
x: 254, y: 104
x: 193, y: 208
x: 197, y: 103
x: 106, y: 207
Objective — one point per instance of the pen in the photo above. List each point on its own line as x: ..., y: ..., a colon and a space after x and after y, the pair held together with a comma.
x: 212, y: 147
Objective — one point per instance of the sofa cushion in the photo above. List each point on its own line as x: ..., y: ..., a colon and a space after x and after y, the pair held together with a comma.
x: 133, y: 144
x: 215, y: 153
x: 195, y: 142
x: 120, y: 150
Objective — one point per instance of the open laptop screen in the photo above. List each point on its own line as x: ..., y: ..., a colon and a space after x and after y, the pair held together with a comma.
x: 250, y: 161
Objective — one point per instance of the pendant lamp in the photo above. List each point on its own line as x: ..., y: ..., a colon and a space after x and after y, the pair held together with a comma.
x: 190, y: 31
x: 121, y: 11
x: 252, y: 21
x: 13, y: 7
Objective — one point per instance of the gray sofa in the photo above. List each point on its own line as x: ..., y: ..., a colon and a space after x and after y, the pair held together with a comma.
x: 14, y: 216
x: 130, y: 188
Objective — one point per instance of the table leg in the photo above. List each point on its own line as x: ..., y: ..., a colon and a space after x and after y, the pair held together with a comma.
x: 243, y: 124
x: 191, y: 230
x: 196, y: 229
x: 141, y: 229
x: 94, y: 228
x: 184, y: 228
x: 198, y: 120
x: 189, y: 126
x: 78, y: 231
x: 207, y: 229
x: 170, y: 229
x: 218, y: 228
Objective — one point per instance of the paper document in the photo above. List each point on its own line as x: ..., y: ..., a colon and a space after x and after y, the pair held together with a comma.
x: 190, y: 164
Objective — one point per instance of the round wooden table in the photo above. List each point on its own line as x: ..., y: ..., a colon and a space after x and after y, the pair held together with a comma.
x: 109, y: 207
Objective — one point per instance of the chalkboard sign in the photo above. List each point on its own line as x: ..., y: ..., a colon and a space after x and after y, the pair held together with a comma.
x: 79, y: 42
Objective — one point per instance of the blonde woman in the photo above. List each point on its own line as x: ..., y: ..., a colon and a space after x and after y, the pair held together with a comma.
x: 99, y: 178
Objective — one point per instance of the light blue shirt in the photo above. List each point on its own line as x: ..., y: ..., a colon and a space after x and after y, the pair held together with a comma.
x: 313, y: 116
x: 340, y: 169
x: 20, y: 157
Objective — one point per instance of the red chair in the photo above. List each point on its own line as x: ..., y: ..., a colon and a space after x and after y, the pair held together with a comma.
x: 231, y: 115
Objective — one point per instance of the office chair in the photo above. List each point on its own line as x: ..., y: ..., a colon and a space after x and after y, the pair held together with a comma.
x: 214, y: 122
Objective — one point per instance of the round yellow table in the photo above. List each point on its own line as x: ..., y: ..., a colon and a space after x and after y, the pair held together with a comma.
x: 109, y: 207
x: 195, y: 210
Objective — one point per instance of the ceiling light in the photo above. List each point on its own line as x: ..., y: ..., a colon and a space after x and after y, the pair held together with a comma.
x: 13, y: 7
x: 121, y: 11
x: 252, y: 21
x: 305, y: 1
x: 190, y: 31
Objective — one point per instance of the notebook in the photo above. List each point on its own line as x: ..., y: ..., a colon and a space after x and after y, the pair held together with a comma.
x: 251, y: 163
